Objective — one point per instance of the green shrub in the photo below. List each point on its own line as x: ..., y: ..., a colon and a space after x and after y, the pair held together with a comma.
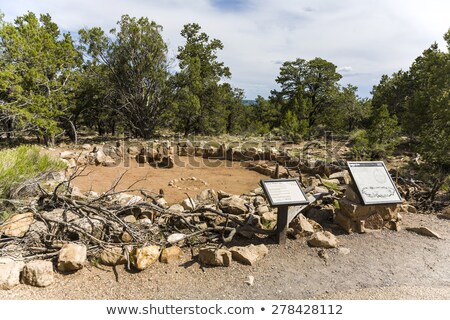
x: 23, y: 163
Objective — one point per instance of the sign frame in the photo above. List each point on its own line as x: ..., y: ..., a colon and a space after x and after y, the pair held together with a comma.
x: 275, y: 203
x: 379, y: 164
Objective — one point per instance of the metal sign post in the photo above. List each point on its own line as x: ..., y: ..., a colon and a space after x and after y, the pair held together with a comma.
x: 283, y: 193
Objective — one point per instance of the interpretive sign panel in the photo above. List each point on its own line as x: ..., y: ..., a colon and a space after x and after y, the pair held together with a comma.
x: 284, y: 192
x: 373, y: 182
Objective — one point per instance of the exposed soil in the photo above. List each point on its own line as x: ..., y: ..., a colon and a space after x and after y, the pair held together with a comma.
x: 223, y: 175
x: 380, y: 265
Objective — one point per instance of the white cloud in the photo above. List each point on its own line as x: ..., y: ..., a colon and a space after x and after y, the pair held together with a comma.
x: 373, y: 37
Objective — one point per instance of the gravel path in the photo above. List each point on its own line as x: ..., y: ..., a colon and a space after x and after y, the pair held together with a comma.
x: 379, y: 265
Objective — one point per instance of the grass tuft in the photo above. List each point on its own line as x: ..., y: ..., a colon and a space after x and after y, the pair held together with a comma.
x: 23, y: 163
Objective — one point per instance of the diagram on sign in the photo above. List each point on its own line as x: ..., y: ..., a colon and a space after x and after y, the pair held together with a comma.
x: 374, y: 182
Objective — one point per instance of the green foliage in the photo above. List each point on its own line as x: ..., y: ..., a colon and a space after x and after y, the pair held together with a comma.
x: 23, y: 163
x: 383, y: 131
x: 199, y: 97
x: 307, y: 89
x: 136, y: 71
x: 37, y: 64
x: 420, y: 99
x: 360, y: 145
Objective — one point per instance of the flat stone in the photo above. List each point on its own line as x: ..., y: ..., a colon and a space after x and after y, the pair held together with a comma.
x: 171, y: 254
x: 215, y: 257
x: 72, y: 257
x: 112, y: 256
x: 233, y: 205
x: 142, y: 258
x: 250, y: 254
x: 324, y: 239
x: 343, y: 177
x: 321, y: 190
x: 10, y: 273
x: 67, y: 155
x: 17, y: 225
x: 408, y: 208
x: 38, y: 273
x: 425, y: 232
x: 162, y: 202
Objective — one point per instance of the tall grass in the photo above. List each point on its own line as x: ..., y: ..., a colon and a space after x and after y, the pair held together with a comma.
x: 23, y: 163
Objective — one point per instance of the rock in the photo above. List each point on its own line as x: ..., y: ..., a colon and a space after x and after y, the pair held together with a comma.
x: 145, y: 221
x: 320, y: 214
x: 171, y: 254
x: 189, y: 204
x: 178, y: 208
x: 162, y: 203
x: 233, y: 205
x: 86, y: 146
x: 352, y: 195
x: 259, y: 201
x: 126, y: 237
x: 425, y: 232
x: 17, y: 225
x: 215, y: 257
x: 133, y: 151
x: 133, y: 200
x: 38, y: 273
x: 250, y: 254
x: 208, y: 196
x: 100, y: 157
x: 142, y: 258
x: 324, y: 239
x: 342, y: 176
x: 112, y: 256
x: 76, y: 194
x: 71, y: 257
x: 408, y: 208
x: 108, y: 162
x: 222, y: 194
x: 10, y: 273
x: 262, y: 209
x: 71, y: 163
x: 67, y: 155
x: 344, y: 251
x: 269, y: 216
x: 301, y: 227
x: 321, y: 190
x: 130, y: 219
x: 176, y: 237
x: 250, y: 280
x: 446, y: 212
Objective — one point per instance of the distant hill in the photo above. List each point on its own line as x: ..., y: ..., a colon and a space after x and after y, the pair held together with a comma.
x: 248, y: 102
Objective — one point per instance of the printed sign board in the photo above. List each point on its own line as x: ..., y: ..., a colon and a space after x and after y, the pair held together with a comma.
x: 284, y: 192
x: 374, y: 183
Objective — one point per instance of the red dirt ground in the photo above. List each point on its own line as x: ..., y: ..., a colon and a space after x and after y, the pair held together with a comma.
x: 228, y: 176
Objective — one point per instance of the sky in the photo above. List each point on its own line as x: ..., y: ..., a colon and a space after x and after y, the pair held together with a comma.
x: 363, y: 38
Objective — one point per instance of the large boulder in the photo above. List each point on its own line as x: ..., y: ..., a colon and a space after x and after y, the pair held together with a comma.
x: 214, y: 257
x: 72, y: 257
x: 233, y: 205
x: 10, y: 273
x: 323, y: 239
x: 17, y: 225
x: 142, y: 258
x: 250, y: 254
x: 38, y: 273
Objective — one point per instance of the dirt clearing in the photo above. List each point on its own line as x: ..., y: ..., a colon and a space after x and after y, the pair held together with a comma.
x: 224, y: 175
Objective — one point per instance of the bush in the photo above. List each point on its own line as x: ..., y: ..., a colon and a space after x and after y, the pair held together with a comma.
x: 23, y: 163
x: 360, y: 149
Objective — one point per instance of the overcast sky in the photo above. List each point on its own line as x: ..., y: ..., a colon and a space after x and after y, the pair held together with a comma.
x: 364, y: 38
